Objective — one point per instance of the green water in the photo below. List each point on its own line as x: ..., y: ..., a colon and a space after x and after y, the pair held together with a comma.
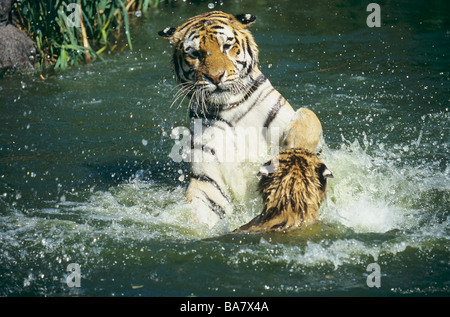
x: 86, y: 178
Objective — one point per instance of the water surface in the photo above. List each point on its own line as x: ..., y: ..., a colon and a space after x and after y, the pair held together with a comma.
x: 86, y: 178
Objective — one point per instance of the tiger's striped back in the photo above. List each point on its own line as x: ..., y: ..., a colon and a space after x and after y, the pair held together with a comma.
x: 292, y: 191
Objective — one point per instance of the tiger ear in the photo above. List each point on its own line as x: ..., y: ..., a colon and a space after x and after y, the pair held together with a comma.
x: 167, y: 33
x: 269, y: 167
x: 246, y: 19
x: 325, y: 172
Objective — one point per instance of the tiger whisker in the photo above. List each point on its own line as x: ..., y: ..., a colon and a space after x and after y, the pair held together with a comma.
x: 184, y: 87
x: 183, y: 92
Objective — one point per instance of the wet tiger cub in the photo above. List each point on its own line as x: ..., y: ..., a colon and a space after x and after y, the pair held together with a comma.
x: 293, y: 186
x: 244, y: 120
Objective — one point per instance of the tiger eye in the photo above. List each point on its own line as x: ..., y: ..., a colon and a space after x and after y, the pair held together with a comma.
x: 196, y: 54
x: 226, y: 47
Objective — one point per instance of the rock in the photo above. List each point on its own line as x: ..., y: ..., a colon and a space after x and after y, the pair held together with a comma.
x: 5, y: 8
x: 17, y: 50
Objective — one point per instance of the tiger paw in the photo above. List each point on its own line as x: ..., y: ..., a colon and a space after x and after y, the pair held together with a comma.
x: 304, y: 131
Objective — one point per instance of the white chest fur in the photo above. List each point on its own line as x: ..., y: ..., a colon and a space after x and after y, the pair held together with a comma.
x: 232, y: 146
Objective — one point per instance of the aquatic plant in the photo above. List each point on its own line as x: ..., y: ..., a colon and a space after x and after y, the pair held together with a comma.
x: 73, y: 32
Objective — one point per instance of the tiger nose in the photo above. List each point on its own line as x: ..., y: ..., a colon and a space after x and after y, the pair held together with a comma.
x: 215, y: 79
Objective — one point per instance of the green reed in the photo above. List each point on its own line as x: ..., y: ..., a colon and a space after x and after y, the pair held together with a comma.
x: 73, y: 32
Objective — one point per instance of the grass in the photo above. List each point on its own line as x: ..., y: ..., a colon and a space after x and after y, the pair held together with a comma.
x: 76, y: 32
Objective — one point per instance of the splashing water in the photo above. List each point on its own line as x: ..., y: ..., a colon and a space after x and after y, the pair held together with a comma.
x: 375, y: 211
x: 85, y: 177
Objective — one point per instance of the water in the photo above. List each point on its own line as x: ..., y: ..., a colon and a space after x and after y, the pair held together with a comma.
x: 85, y: 175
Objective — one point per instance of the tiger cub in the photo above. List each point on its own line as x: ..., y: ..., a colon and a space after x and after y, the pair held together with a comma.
x: 293, y: 186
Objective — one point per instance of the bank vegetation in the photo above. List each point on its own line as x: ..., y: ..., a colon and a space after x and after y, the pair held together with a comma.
x: 73, y: 32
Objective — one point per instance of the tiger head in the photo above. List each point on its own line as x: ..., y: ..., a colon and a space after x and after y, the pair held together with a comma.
x: 213, y: 53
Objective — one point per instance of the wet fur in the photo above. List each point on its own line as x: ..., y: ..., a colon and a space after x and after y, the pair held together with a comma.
x: 215, y: 62
x: 292, y: 192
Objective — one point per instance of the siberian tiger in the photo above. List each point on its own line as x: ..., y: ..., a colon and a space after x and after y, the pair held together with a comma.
x: 239, y: 119
x: 292, y: 191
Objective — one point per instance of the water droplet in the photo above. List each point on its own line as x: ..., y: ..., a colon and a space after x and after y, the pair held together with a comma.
x: 211, y: 5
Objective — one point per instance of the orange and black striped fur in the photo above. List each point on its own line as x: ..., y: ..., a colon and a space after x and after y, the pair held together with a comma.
x: 293, y: 186
x: 215, y: 62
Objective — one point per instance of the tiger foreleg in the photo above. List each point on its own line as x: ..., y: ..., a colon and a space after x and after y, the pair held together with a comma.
x: 209, y: 204
x: 303, y: 131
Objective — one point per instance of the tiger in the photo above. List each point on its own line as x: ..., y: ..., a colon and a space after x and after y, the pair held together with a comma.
x: 292, y: 191
x: 238, y: 119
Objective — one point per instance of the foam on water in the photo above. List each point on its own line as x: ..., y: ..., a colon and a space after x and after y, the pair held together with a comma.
x: 139, y: 209
x: 318, y: 253
x: 374, y: 193
x: 375, y: 207
x: 369, y: 193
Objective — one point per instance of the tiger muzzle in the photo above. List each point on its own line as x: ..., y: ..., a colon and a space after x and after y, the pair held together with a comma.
x: 215, y: 79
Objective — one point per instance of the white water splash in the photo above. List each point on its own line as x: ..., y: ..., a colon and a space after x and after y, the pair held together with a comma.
x: 370, y: 193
